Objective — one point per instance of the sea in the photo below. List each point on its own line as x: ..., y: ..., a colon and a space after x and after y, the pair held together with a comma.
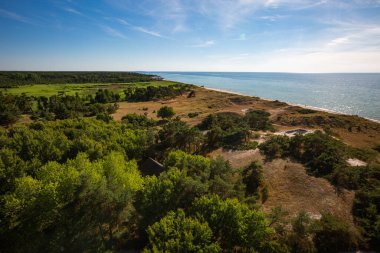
x: 348, y: 93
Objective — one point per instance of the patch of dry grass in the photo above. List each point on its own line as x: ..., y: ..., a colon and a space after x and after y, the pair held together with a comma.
x: 284, y: 116
x: 294, y: 190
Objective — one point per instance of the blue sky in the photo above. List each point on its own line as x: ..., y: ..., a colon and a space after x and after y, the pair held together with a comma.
x: 191, y: 35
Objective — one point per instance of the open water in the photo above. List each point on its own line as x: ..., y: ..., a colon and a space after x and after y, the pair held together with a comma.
x: 349, y: 93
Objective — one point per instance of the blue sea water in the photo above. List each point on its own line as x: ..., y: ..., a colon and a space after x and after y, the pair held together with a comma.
x: 354, y: 94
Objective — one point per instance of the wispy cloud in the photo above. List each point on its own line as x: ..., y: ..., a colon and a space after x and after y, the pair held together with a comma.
x: 138, y: 28
x: 14, y: 16
x: 74, y: 11
x: 143, y: 30
x: 207, y: 43
x: 353, y: 36
x: 122, y: 21
x: 112, y: 32
x: 337, y: 41
x: 273, y: 18
x: 168, y: 15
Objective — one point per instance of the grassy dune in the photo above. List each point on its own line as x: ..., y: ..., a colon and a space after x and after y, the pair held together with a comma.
x: 352, y: 130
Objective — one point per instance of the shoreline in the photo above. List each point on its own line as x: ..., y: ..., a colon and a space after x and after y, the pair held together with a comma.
x: 289, y: 103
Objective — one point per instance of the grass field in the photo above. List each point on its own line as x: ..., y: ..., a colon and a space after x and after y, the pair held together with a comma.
x: 81, y: 89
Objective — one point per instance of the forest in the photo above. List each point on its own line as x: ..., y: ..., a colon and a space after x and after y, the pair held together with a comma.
x: 62, y: 106
x: 70, y: 181
x: 10, y: 79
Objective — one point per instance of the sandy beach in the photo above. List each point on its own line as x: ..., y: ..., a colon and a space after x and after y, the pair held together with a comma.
x: 289, y: 103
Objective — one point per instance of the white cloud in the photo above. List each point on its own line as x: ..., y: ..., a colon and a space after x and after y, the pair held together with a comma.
x: 337, y: 41
x: 14, y: 16
x: 207, y: 43
x: 112, y: 32
x: 272, y: 18
x: 74, y: 11
x: 143, y: 30
x: 122, y: 21
x: 138, y: 28
x: 317, y: 62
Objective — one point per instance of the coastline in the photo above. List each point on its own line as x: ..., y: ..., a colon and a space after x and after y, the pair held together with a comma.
x: 289, y: 103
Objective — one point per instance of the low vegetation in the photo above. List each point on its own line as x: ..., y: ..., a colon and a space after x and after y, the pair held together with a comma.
x: 72, y: 158
x: 325, y: 156
x: 139, y: 94
x: 232, y: 130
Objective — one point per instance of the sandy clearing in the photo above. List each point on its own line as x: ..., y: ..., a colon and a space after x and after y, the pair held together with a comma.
x: 356, y: 162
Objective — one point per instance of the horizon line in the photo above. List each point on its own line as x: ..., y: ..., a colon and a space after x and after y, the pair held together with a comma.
x: 188, y: 71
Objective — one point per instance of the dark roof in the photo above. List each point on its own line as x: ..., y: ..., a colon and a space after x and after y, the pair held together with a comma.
x: 297, y: 131
x: 151, y: 167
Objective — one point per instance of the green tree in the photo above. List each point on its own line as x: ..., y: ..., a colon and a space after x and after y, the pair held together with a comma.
x: 234, y: 225
x: 176, y: 134
x: 275, y: 147
x: 56, y: 208
x: 333, y: 235
x: 177, y: 233
x: 299, y: 239
x: 258, y: 120
x: 9, y: 111
x: 253, y: 178
x: 171, y: 190
x: 195, y: 166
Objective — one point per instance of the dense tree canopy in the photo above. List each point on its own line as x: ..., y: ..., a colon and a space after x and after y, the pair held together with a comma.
x: 178, y: 233
x: 11, y: 78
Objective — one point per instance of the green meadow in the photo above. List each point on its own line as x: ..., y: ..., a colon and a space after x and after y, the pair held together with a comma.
x: 72, y: 89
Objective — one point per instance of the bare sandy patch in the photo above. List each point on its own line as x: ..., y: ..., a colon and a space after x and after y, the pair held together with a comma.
x: 238, y: 158
x: 356, y: 162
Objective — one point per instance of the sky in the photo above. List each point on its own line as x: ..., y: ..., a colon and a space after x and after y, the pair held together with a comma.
x: 309, y: 36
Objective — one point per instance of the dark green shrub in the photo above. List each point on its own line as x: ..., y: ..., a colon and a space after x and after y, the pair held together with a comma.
x: 258, y: 120
x: 253, y: 178
x: 104, y: 117
x: 192, y: 114
x: 306, y: 111
x: 165, y: 112
x: 134, y: 120
x: 333, y: 235
x: 276, y: 146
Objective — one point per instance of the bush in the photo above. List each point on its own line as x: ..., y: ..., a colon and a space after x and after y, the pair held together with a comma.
x: 253, y: 178
x: 134, y: 120
x: 306, y: 111
x: 104, y: 117
x: 226, y: 129
x: 299, y: 239
x: 165, y: 112
x: 258, y: 120
x: 333, y: 235
x: 139, y: 94
x: 276, y: 146
x: 192, y: 114
x: 362, y: 154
